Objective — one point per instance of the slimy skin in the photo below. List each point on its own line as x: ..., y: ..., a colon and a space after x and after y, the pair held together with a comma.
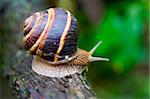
x: 76, y: 65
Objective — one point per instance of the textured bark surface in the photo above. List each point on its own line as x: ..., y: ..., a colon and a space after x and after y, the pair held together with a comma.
x: 27, y: 84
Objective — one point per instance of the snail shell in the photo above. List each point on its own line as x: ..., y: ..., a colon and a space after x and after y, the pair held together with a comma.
x: 51, y: 36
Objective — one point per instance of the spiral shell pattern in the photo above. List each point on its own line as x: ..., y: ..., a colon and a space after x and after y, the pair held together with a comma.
x: 51, y: 34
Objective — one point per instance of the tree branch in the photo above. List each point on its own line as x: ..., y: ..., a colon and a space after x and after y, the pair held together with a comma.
x: 27, y: 84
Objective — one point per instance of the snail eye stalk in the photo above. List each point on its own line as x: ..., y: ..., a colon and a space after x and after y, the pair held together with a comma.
x: 92, y: 58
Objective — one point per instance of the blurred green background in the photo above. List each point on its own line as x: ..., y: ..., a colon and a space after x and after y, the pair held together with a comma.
x: 122, y: 25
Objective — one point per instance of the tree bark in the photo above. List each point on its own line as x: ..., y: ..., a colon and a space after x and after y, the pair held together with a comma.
x: 27, y: 84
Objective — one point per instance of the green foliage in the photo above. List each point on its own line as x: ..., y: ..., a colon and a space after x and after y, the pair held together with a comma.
x: 121, y: 30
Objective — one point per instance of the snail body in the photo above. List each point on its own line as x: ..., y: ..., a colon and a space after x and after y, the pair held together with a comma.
x: 51, y: 36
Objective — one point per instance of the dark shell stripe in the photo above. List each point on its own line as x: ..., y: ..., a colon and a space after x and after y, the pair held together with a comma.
x: 42, y: 50
x: 30, y: 23
x: 42, y: 36
x: 63, y: 36
x: 47, y: 29
x: 27, y: 41
x: 37, y: 32
x: 70, y: 46
x: 38, y: 29
x: 33, y: 26
x: 52, y: 41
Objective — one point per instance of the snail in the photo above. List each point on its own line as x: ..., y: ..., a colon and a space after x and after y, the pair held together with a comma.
x: 51, y: 36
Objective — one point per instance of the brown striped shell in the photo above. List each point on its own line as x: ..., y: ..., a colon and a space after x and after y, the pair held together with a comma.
x: 51, y: 34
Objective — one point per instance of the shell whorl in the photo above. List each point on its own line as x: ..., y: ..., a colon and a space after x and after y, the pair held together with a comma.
x: 51, y: 34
